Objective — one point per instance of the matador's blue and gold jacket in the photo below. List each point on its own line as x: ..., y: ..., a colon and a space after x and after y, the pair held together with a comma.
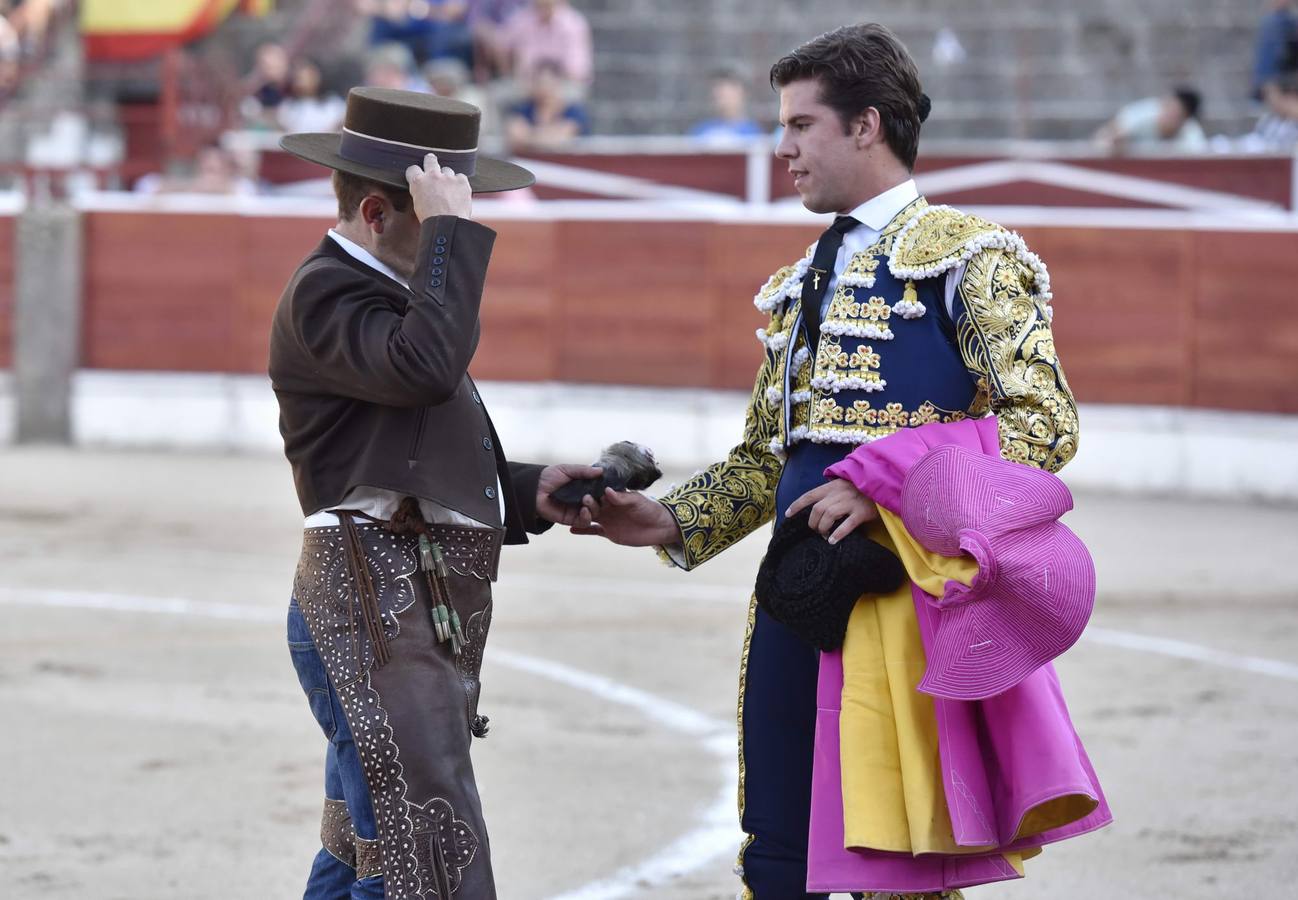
x: 892, y: 355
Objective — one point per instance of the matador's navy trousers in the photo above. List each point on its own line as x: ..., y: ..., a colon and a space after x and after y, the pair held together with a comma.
x: 779, y: 723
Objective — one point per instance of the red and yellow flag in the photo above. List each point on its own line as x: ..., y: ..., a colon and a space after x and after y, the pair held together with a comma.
x: 140, y: 29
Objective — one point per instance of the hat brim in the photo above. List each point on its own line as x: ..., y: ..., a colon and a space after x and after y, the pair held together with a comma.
x: 490, y: 175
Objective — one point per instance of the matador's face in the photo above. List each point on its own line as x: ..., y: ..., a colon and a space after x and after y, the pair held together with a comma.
x: 824, y: 157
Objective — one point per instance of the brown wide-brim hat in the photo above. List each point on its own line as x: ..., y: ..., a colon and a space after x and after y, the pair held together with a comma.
x: 386, y: 131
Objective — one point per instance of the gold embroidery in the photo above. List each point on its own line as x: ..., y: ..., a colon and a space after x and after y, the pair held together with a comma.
x: 936, y: 240
x: 876, y: 310
x: 863, y: 358
x: 730, y: 499
x: 861, y: 268
x: 1007, y: 345
x: 743, y: 689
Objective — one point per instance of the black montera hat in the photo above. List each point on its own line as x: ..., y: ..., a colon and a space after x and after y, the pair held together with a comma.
x: 386, y: 131
x: 810, y: 586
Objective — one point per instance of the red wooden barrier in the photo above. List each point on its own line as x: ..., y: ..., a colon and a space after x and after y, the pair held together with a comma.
x: 1145, y: 316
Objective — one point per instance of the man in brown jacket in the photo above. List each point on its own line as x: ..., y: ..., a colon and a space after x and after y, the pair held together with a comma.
x: 406, y: 492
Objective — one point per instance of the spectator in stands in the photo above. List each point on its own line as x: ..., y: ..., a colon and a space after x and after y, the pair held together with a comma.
x: 430, y: 29
x: 547, y: 119
x: 1277, y: 129
x: 266, y: 86
x: 1170, y: 121
x: 31, y: 19
x: 309, y: 107
x: 486, y: 19
x: 216, y: 171
x: 547, y: 32
x: 10, y: 53
x: 450, y: 78
x: 393, y: 66
x: 1277, y: 47
x: 730, y: 121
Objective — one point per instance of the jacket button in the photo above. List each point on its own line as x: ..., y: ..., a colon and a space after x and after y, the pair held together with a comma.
x: 487, y: 445
x: 441, y: 239
x: 491, y: 493
x: 436, y: 282
x: 437, y: 271
x: 476, y: 398
x: 438, y: 260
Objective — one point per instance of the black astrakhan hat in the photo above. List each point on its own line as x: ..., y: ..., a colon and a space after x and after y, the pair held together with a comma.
x: 386, y: 131
x: 811, y: 586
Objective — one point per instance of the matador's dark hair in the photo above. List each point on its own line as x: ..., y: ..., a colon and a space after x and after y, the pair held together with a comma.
x: 859, y: 66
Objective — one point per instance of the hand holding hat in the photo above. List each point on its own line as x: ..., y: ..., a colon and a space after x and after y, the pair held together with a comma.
x: 439, y: 190
x: 388, y: 132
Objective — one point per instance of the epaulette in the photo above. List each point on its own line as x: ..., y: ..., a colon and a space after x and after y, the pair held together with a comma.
x: 784, y: 285
x: 939, y: 238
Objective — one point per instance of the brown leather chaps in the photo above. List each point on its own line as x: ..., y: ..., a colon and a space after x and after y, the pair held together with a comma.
x: 410, y: 700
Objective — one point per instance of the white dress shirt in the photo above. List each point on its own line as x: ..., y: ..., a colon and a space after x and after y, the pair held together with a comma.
x: 874, y: 215
x: 378, y: 502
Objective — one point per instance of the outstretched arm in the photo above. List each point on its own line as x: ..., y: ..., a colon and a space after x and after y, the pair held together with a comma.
x: 713, y: 509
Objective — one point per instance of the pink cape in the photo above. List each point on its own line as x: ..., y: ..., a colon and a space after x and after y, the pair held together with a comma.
x: 1000, y: 757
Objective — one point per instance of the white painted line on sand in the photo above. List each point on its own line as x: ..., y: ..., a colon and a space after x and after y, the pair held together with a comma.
x: 715, y: 835
x: 1193, y: 652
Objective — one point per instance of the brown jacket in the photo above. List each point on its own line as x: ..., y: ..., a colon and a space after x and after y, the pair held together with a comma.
x: 373, y: 385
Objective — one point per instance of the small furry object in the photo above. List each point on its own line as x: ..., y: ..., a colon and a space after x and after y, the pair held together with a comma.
x: 627, y: 467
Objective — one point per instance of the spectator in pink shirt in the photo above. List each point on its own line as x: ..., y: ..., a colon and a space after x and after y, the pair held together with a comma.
x: 547, y: 31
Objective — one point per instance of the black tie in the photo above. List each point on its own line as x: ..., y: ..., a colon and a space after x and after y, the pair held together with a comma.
x: 816, y: 281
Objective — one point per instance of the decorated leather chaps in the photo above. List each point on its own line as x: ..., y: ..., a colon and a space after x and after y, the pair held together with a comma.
x: 409, y: 698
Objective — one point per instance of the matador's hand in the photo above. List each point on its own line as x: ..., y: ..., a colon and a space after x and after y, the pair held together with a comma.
x: 633, y: 520
x: 836, y: 503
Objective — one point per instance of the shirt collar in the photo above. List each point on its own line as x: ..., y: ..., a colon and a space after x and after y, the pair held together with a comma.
x: 881, y: 209
x: 356, y: 251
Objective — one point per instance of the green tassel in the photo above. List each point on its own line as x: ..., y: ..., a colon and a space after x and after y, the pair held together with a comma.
x: 441, y: 623
x: 455, y: 626
x: 439, y: 561
x: 426, y: 555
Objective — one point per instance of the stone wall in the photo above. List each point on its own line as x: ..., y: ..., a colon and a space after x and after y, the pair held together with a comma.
x: 1048, y: 69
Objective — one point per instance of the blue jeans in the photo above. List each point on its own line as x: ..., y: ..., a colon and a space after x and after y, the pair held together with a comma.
x: 331, y: 878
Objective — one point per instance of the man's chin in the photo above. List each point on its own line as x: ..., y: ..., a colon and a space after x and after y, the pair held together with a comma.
x: 819, y: 207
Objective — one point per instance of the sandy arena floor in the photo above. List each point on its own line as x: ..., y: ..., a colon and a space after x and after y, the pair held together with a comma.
x: 158, y: 745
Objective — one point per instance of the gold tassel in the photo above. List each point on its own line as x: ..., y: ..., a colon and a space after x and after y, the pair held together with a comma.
x: 910, y: 295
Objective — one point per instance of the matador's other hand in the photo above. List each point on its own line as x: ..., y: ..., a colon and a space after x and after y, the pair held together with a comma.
x: 837, y: 509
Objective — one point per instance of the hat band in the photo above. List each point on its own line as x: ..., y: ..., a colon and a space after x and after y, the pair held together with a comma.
x: 396, y: 155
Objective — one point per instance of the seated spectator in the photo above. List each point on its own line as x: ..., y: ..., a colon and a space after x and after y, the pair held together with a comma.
x: 309, y: 107
x: 266, y: 85
x: 31, y: 19
x: 450, y: 78
x: 1171, y: 120
x: 1277, y: 129
x: 486, y: 19
x: 215, y: 171
x: 730, y: 121
x: 10, y: 54
x: 1277, y: 46
x: 547, y: 32
x: 430, y: 29
x: 393, y: 66
x: 547, y: 119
